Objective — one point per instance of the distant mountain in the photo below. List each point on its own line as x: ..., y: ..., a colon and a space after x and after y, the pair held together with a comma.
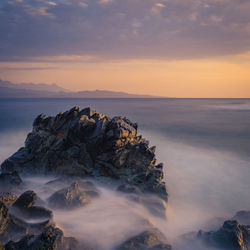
x: 30, y: 90
x: 31, y: 86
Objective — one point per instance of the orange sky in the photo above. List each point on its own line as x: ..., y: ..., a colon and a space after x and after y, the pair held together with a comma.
x: 174, y: 48
x: 214, y: 77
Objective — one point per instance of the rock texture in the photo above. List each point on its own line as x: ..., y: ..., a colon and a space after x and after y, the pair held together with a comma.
x: 148, y: 240
x: 13, y: 225
x: 231, y: 235
x: 7, y: 198
x: 87, y: 143
x: 51, y: 238
x: 68, y: 198
x: 71, y: 145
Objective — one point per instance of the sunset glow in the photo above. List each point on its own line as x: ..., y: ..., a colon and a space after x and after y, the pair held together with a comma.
x: 165, y: 48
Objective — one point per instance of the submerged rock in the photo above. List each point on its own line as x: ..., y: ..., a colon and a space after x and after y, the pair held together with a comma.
x: 70, y: 197
x: 24, y: 207
x: 15, y: 219
x: 147, y: 240
x: 51, y: 238
x: 87, y: 143
x: 231, y: 235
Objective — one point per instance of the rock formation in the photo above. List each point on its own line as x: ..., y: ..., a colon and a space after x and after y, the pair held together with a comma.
x: 87, y: 143
x: 231, y: 235
x: 84, y: 143
x: 148, y: 240
x: 73, y: 145
x: 71, y: 197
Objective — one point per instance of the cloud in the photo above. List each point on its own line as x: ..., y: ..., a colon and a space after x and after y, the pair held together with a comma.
x: 123, y: 28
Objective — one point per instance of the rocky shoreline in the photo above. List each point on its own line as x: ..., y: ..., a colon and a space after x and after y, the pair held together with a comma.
x: 79, y: 144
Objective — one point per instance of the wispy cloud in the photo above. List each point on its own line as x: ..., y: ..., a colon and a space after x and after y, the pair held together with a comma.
x: 123, y: 28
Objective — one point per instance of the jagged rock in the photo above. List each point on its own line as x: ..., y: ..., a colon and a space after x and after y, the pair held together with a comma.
x: 147, y: 240
x: 70, y: 197
x: 243, y: 217
x: 7, y: 198
x: 86, y: 143
x: 231, y: 235
x: 50, y: 239
x: 4, y: 217
x: 26, y: 200
x: 9, y: 180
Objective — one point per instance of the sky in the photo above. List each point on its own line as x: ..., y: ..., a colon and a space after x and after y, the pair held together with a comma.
x: 174, y: 48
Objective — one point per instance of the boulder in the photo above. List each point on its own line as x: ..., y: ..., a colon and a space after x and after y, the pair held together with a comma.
x: 51, y: 238
x: 26, y: 200
x: 69, y: 198
x: 231, y: 235
x: 148, y: 240
x: 89, y: 144
x: 24, y: 207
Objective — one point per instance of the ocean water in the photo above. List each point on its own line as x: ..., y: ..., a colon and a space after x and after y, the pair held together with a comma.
x: 203, y: 143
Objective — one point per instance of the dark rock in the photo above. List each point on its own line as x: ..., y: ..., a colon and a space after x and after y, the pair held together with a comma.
x: 15, y: 229
x: 148, y: 240
x: 243, y: 217
x: 89, y: 144
x: 50, y: 239
x: 33, y: 213
x: 7, y: 198
x: 26, y: 200
x: 69, y: 198
x: 9, y: 180
x: 2, y: 246
x: 129, y: 189
x: 231, y: 235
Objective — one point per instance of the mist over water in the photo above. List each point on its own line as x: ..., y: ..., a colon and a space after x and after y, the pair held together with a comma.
x: 203, y: 144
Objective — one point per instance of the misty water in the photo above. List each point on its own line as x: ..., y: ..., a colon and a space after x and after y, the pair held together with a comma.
x: 203, y: 143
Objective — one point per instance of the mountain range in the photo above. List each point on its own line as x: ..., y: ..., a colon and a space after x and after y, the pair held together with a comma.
x: 31, y: 90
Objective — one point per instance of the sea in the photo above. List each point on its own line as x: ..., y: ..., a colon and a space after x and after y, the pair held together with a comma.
x: 203, y: 143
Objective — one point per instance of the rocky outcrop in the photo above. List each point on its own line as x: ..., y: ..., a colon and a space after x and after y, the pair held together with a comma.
x: 87, y: 143
x: 73, y: 145
x: 51, y: 238
x: 231, y: 235
x: 69, y: 198
x: 149, y: 240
